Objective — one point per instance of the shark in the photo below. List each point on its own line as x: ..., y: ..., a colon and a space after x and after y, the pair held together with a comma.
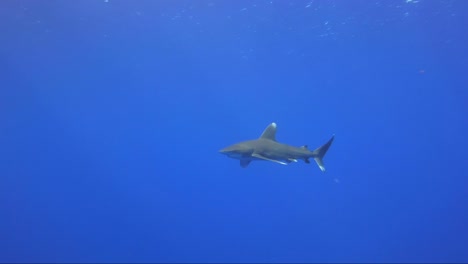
x: 267, y: 148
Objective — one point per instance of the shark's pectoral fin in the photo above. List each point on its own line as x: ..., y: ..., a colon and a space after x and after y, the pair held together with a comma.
x: 244, y: 162
x: 258, y: 156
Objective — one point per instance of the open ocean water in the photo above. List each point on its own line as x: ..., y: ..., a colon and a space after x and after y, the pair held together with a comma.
x: 112, y: 114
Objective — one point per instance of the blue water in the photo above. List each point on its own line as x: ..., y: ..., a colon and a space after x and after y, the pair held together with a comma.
x: 112, y: 114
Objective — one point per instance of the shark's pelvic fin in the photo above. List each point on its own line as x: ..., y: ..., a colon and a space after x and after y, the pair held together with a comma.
x: 269, y: 132
x: 258, y: 156
x: 320, y: 152
x: 244, y: 163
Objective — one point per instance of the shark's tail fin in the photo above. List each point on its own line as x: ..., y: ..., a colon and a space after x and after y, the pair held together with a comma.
x: 319, y: 153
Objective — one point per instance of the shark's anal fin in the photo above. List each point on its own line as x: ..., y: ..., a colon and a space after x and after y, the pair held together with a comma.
x: 258, y: 156
x: 244, y: 163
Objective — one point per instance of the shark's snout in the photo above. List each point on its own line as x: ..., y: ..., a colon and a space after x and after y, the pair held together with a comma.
x: 226, y: 152
x: 231, y: 152
x: 223, y: 151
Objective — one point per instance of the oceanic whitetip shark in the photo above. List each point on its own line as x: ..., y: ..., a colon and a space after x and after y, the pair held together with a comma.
x: 267, y: 148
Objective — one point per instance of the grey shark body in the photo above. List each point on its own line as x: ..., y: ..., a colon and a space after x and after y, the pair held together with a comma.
x: 267, y: 148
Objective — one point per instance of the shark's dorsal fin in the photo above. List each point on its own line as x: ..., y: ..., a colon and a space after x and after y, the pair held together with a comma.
x: 304, y: 147
x: 269, y: 132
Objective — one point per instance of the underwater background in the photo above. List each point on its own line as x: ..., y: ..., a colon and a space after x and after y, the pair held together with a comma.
x: 112, y: 114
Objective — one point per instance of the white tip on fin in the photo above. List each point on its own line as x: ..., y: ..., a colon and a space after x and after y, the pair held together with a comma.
x: 320, y: 163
